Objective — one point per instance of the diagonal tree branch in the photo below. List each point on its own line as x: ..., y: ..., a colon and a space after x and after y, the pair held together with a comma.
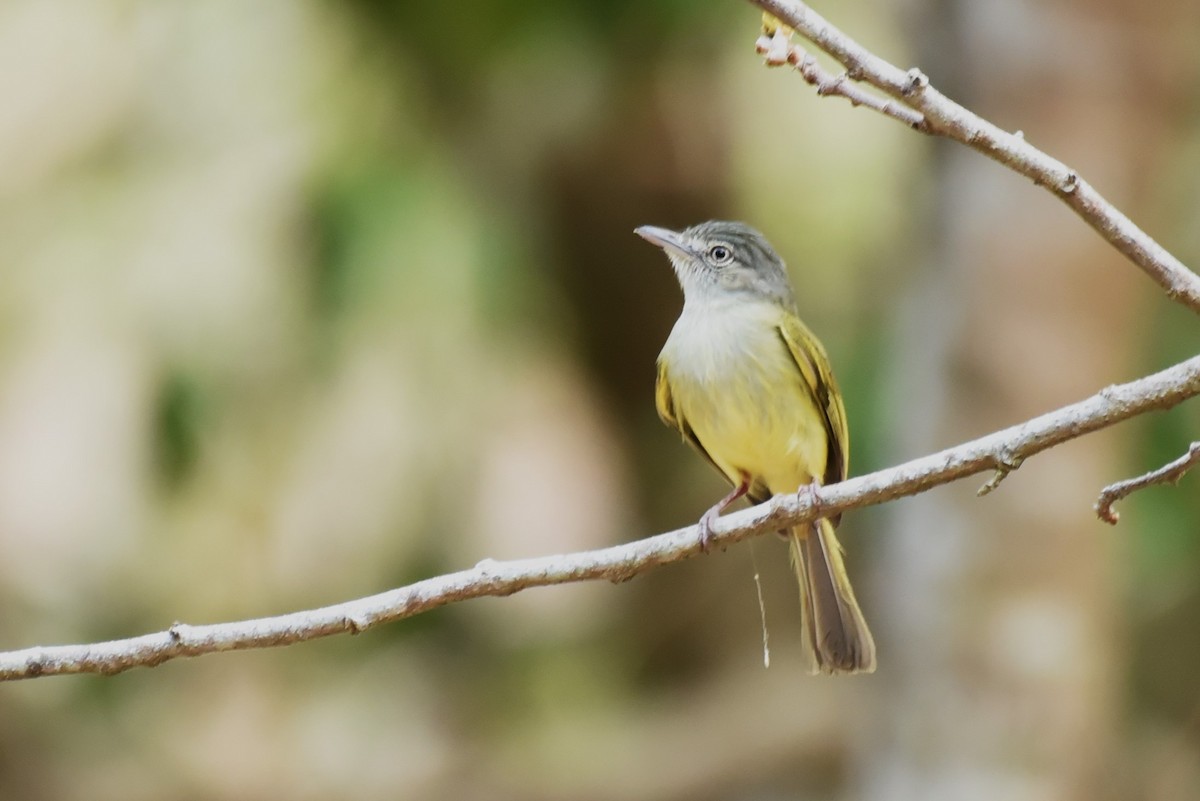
x: 943, y: 117
x: 1001, y: 452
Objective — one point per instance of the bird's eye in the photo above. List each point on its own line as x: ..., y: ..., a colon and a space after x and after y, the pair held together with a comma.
x: 720, y: 255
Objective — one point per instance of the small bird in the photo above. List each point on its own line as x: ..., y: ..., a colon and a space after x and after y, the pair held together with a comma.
x: 745, y: 382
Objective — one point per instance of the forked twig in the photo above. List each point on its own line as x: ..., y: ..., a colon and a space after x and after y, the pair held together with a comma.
x: 941, y: 116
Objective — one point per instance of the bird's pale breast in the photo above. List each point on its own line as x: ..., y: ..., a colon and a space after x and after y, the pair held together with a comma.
x: 737, y: 386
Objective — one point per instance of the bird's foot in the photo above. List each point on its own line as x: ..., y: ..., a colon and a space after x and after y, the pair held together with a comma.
x: 710, y: 517
x: 811, y: 492
x: 706, y: 526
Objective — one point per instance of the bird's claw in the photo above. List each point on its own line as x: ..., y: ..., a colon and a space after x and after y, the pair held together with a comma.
x: 810, y: 493
x: 706, y: 527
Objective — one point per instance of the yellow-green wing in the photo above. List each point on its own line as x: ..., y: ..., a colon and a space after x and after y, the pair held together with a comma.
x: 670, y: 414
x: 814, y: 366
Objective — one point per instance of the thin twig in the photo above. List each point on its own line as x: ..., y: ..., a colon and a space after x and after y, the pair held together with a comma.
x: 941, y: 116
x: 778, y: 51
x: 1005, y: 464
x: 619, y: 563
x: 1167, y: 474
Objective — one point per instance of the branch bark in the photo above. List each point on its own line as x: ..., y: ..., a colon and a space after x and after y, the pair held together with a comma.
x: 1001, y: 452
x: 942, y: 116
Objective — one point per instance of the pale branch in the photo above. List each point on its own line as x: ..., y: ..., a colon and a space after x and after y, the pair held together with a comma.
x: 1169, y: 473
x: 942, y: 116
x: 1002, y: 451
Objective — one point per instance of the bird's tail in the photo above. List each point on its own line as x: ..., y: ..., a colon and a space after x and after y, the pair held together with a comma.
x: 836, y: 632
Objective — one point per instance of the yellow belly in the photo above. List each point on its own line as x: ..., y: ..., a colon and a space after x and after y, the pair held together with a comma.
x: 736, y: 385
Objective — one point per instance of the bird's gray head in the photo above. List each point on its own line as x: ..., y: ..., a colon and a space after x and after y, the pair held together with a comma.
x: 720, y: 259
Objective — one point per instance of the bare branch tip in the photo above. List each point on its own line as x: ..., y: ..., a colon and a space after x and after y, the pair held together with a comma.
x: 1169, y: 473
x: 1105, y: 512
x: 776, y: 48
x: 916, y: 83
x: 992, y: 483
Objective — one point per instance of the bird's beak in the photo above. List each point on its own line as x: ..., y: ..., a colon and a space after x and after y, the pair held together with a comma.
x: 666, y: 239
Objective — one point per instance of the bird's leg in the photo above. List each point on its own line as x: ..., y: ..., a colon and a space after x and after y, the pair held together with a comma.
x: 710, y: 517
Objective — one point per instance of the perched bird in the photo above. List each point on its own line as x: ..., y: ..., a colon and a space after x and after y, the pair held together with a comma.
x: 745, y: 382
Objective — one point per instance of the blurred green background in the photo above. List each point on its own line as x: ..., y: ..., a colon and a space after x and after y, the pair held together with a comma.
x: 304, y: 300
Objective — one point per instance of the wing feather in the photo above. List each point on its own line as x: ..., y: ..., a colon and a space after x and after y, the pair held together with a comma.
x: 670, y: 414
x: 814, y: 366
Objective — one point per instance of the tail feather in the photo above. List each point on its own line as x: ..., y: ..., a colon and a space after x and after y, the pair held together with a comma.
x: 835, y: 629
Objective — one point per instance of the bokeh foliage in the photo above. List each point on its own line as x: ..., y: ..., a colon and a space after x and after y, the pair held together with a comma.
x: 304, y: 300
